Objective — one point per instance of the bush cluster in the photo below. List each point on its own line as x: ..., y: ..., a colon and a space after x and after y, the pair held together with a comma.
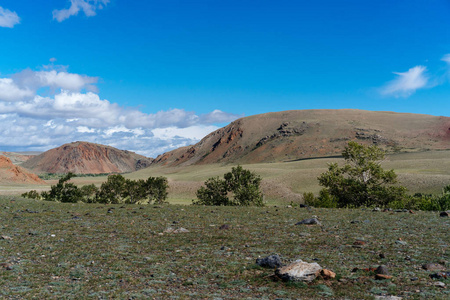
x: 115, y: 190
x: 239, y: 187
x: 361, y: 181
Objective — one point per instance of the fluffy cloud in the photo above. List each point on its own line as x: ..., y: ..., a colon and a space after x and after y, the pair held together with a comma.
x: 89, y: 8
x: 55, y: 80
x: 8, y: 18
x: 407, y: 83
x: 32, y: 121
x: 9, y: 91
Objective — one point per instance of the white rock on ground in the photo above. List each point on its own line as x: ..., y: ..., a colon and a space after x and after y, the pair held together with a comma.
x: 299, y: 271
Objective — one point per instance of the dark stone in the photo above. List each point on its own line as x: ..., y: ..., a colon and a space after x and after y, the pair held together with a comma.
x: 312, y: 221
x: 224, y: 227
x: 440, y: 275
x: 272, y: 261
x: 382, y: 270
x: 445, y: 213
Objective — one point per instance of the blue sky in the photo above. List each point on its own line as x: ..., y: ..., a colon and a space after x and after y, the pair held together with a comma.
x: 150, y: 76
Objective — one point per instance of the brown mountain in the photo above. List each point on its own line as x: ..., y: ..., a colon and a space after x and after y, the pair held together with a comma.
x: 12, y: 174
x: 86, y: 158
x: 300, y: 134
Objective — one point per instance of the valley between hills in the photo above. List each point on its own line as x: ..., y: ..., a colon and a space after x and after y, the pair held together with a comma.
x: 288, y: 149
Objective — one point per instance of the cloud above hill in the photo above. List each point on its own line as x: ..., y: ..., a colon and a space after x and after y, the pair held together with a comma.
x: 407, y: 83
x: 8, y: 18
x: 43, y: 109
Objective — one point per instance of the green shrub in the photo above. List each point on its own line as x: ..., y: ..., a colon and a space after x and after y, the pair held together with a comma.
x: 324, y: 200
x: 32, y: 195
x: 361, y: 181
x: 243, y: 185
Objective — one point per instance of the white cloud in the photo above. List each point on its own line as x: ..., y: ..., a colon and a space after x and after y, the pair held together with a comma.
x: 34, y: 119
x: 407, y: 83
x: 89, y: 8
x: 54, y: 80
x: 9, y: 91
x: 218, y: 116
x: 8, y: 18
x: 446, y: 58
x: 192, y: 132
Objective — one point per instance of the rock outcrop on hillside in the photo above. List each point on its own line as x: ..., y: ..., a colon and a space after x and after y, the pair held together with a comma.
x: 303, y: 134
x: 86, y: 158
x: 12, y: 174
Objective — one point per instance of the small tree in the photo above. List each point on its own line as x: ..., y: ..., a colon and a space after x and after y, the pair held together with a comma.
x: 243, y: 185
x: 156, y: 189
x: 361, y: 181
x: 111, y: 191
x: 63, y: 191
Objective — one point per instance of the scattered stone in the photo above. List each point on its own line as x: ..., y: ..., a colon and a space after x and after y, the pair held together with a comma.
x: 169, y: 230
x: 433, y: 267
x: 389, y: 297
x: 272, y: 261
x: 224, y: 248
x: 303, y: 205
x: 401, y: 243
x: 7, y: 266
x: 358, y: 244
x: 312, y: 221
x: 5, y: 237
x: 376, y: 209
x: 382, y: 270
x: 224, y: 227
x: 440, y: 275
x: 414, y: 279
x: 327, y: 274
x: 382, y: 276
x: 288, y: 206
x: 180, y: 230
x: 299, y: 271
x: 445, y: 213
x: 439, y: 284
x: 381, y: 255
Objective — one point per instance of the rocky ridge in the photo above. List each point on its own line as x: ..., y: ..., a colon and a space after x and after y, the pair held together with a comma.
x: 86, y: 158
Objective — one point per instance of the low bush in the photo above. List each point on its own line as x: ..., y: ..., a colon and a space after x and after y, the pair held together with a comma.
x: 115, y: 190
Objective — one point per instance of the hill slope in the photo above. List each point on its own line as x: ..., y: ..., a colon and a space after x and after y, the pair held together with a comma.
x: 12, y: 174
x: 291, y: 135
x: 86, y: 158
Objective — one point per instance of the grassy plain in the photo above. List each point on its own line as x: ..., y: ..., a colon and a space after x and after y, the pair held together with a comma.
x: 283, y: 182
x: 90, y: 251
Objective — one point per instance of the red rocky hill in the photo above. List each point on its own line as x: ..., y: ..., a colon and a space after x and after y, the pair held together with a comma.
x: 12, y: 174
x: 86, y: 158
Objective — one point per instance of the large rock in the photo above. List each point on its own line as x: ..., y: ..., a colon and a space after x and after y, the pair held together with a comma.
x: 299, y: 271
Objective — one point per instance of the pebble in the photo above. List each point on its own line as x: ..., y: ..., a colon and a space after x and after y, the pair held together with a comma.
x: 439, y: 284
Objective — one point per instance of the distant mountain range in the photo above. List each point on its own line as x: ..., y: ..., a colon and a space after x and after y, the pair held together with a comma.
x: 270, y: 137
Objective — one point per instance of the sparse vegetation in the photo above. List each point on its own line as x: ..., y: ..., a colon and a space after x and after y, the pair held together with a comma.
x: 81, y: 251
x: 239, y: 187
